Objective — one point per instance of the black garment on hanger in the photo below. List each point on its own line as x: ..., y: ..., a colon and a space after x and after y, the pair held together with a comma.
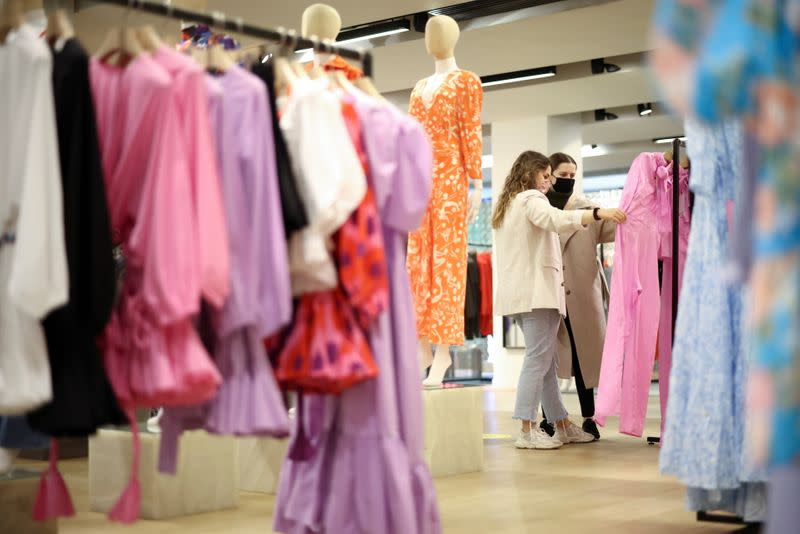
x: 82, y: 396
x: 295, y: 216
x: 472, y: 302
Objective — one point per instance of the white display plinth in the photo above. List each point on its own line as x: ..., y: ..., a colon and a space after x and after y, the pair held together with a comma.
x: 453, y: 440
x: 207, y: 477
x: 453, y: 430
x: 17, y: 494
x: 260, y: 461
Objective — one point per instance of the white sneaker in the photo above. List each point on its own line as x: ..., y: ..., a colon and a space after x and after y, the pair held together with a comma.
x: 569, y: 432
x: 536, y: 439
x: 7, y: 458
x: 154, y: 423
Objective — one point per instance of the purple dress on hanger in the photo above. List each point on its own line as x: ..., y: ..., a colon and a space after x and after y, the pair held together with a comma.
x: 368, y: 473
x: 248, y: 401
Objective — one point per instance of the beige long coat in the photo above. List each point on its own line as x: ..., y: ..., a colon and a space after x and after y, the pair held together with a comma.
x: 586, y: 292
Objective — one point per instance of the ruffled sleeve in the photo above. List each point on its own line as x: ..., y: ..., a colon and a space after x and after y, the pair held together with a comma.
x: 411, y: 188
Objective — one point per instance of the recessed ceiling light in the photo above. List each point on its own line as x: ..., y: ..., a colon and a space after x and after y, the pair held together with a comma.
x: 645, y: 109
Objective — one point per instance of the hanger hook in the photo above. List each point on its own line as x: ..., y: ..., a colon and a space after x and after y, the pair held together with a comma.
x: 240, y: 24
x: 218, y: 18
x: 292, y: 40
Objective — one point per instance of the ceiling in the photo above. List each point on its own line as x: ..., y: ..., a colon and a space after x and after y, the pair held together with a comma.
x: 567, y: 34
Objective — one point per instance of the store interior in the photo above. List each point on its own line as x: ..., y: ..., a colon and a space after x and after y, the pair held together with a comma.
x: 202, y: 331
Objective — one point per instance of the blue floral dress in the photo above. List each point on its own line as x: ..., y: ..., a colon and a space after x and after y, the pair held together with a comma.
x: 723, y: 58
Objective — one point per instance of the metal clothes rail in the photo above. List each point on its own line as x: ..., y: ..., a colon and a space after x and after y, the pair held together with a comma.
x: 237, y: 24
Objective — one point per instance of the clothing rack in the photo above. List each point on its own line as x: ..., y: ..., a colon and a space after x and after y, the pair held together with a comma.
x: 218, y: 19
x: 677, y: 144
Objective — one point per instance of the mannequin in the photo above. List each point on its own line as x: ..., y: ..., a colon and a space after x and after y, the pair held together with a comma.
x: 321, y: 21
x: 439, y: 290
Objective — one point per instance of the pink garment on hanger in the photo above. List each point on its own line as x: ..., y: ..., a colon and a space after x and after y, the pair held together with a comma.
x: 639, y: 314
x: 665, y: 253
x: 159, y: 175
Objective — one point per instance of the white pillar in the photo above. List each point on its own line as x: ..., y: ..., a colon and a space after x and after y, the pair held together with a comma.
x: 509, y: 139
x: 564, y: 135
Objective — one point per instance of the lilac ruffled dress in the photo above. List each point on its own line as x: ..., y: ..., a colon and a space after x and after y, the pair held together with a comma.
x: 368, y: 473
x: 249, y: 402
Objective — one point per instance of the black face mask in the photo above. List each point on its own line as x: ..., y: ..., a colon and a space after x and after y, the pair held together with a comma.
x: 560, y: 193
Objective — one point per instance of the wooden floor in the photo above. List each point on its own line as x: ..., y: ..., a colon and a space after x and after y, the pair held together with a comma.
x: 609, y: 486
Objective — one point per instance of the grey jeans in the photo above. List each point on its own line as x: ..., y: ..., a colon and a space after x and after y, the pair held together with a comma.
x: 538, y: 381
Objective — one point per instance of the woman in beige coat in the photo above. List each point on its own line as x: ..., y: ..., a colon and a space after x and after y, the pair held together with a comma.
x: 531, y: 290
x: 581, y: 341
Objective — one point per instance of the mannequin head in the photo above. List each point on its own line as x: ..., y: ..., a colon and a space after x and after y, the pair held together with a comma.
x: 441, y: 36
x: 321, y: 20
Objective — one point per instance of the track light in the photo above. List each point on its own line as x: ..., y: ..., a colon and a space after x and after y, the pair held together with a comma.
x: 665, y: 140
x: 645, y: 109
x: 518, y: 76
x: 599, y: 66
x: 371, y: 31
x: 603, y: 115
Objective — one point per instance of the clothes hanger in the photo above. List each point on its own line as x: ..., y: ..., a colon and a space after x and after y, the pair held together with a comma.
x: 149, y: 38
x: 297, y: 67
x: 59, y: 27
x: 365, y: 84
x: 121, y: 43
x: 316, y: 71
x: 284, y: 73
x: 218, y: 59
x: 11, y: 18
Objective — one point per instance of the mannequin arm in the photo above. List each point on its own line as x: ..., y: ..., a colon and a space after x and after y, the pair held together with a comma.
x: 475, y: 198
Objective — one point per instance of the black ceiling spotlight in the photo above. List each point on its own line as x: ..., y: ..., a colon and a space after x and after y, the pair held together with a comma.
x: 645, y: 109
x: 603, y: 115
x: 599, y: 66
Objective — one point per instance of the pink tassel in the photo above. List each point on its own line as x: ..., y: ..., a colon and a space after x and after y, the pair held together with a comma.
x: 53, y: 499
x: 126, y: 510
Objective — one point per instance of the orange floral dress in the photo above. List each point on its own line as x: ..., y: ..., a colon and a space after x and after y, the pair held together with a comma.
x: 437, y: 250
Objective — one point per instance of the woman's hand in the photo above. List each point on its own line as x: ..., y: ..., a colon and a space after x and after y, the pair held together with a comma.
x: 612, y: 214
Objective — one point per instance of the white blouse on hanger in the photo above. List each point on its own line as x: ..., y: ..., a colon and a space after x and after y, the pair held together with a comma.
x: 33, y: 262
x: 331, y: 180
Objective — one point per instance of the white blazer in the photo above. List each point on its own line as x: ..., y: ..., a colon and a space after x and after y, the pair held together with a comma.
x: 530, y: 272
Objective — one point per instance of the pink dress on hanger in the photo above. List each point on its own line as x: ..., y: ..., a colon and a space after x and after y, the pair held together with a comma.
x: 158, y: 176
x: 640, y: 313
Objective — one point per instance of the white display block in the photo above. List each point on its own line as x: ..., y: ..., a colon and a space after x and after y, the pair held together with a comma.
x: 453, y: 441
x: 260, y: 461
x: 453, y: 430
x: 207, y: 478
x: 17, y: 494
